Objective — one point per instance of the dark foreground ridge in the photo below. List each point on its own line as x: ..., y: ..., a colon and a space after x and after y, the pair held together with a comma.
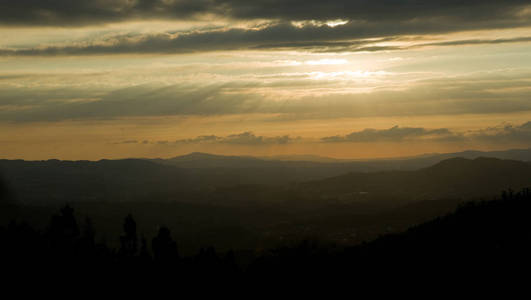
x: 479, y: 238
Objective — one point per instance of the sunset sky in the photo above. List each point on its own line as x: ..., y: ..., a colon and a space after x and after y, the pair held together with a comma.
x: 340, y: 78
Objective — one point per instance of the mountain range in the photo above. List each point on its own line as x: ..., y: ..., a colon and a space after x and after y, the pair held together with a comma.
x: 207, y: 177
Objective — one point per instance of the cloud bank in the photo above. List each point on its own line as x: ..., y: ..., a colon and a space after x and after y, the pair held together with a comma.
x: 507, y: 133
x: 394, y: 134
x: 83, y: 12
x: 282, y: 24
x: 245, y: 138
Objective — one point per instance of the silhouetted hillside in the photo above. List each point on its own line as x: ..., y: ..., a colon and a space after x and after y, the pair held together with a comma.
x: 486, y: 238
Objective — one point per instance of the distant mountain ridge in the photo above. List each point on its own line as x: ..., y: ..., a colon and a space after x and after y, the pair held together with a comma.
x: 206, y: 160
x: 118, y: 180
x: 454, y: 177
x: 211, y: 177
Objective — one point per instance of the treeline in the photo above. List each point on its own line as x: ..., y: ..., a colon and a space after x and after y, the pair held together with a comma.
x: 477, y: 237
x: 68, y: 244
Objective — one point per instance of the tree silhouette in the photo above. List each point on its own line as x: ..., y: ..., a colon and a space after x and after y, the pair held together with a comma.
x: 144, y: 252
x: 164, y: 247
x: 88, y: 235
x: 5, y: 198
x: 483, y: 237
x: 129, y: 241
x: 64, y: 226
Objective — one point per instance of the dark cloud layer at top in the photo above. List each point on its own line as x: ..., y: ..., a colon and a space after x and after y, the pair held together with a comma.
x: 386, y: 19
x: 82, y: 12
x: 86, y: 12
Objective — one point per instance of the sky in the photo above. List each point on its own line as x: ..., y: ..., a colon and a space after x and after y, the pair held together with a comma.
x: 339, y: 78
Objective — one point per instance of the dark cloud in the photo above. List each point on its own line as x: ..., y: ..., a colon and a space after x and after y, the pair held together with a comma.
x: 394, y: 134
x: 87, y: 12
x: 366, y: 19
x: 82, y: 12
x: 200, y: 139
x: 274, y: 36
x: 127, y: 142
x: 371, y: 10
x: 248, y: 138
x: 477, y: 42
x: 347, y: 38
x: 508, y: 133
x: 245, y: 138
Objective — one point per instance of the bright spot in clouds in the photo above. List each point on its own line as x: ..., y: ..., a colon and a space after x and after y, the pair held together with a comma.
x: 329, y: 23
x: 346, y: 75
x: 327, y: 61
x: 335, y: 23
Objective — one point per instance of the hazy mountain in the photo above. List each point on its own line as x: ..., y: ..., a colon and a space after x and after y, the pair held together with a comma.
x: 333, y: 165
x: 105, y: 180
x: 205, y: 160
x: 232, y: 170
x: 514, y: 154
x: 233, y: 179
x: 451, y: 178
x: 218, y: 170
x: 425, y: 160
x: 310, y: 158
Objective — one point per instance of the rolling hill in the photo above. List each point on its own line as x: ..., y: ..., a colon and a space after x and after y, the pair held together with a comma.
x: 226, y: 179
x: 451, y: 178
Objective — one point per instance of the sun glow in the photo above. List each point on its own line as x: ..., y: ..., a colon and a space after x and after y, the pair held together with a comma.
x: 327, y: 61
x: 338, y: 22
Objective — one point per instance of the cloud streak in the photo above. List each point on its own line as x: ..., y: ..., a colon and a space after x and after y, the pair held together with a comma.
x: 393, y: 134
x: 245, y: 138
x: 274, y: 36
x: 506, y: 133
x: 289, y: 24
x: 83, y: 12
x: 496, y: 93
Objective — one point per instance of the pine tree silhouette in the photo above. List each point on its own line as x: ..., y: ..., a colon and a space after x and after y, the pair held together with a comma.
x: 164, y: 247
x: 129, y: 241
